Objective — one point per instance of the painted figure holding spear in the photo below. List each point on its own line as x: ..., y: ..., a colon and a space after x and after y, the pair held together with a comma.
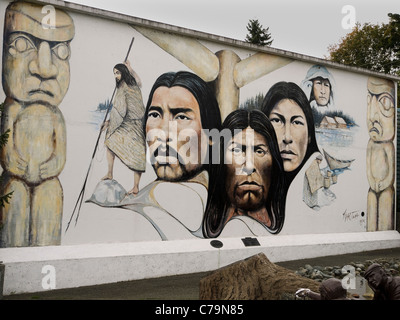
x: 125, y: 137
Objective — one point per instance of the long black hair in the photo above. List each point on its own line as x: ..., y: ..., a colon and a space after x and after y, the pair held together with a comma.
x: 218, y: 202
x: 289, y: 90
x: 204, y: 94
x: 126, y: 75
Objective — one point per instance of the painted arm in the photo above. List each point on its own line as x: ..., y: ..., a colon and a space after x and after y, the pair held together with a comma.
x: 390, y: 163
x: 10, y: 158
x: 370, y: 177
x: 55, y: 164
x: 134, y: 74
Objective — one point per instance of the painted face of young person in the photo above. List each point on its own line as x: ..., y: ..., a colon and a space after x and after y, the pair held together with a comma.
x: 322, y: 91
x: 290, y: 125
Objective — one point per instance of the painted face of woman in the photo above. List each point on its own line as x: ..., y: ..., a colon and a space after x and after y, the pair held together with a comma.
x: 291, y: 129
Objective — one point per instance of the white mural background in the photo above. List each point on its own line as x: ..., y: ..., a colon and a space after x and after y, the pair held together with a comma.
x: 100, y: 44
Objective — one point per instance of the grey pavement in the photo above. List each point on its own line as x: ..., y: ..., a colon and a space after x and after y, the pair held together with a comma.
x: 182, y: 287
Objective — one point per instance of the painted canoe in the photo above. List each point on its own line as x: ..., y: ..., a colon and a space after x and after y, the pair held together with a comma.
x: 335, y: 163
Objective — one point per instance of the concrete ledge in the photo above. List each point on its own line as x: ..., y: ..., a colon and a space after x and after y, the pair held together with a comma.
x: 92, y: 264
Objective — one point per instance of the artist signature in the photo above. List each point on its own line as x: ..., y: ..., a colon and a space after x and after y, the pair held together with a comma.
x: 351, y: 215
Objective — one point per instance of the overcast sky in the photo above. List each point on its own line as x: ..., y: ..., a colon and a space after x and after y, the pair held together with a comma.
x: 307, y: 27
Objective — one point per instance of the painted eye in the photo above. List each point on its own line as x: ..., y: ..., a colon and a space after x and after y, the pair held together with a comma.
x: 298, y: 122
x: 276, y: 122
x: 260, y: 152
x: 236, y: 151
x: 154, y: 114
x: 182, y: 117
x: 386, y: 102
x: 20, y: 45
x: 62, y: 51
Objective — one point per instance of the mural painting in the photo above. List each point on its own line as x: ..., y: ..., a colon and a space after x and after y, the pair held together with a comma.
x: 380, y: 153
x: 248, y: 190
x: 124, y: 137
x: 35, y: 80
x: 180, y: 110
x: 176, y: 156
x: 319, y: 87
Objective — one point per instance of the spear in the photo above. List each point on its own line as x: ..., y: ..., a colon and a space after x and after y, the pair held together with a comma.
x: 78, y: 203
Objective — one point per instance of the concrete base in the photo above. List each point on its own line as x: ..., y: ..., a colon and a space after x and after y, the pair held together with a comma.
x: 38, y: 269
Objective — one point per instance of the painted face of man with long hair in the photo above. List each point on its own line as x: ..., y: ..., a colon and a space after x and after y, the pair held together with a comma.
x: 180, y: 107
x: 174, y: 119
x: 122, y: 74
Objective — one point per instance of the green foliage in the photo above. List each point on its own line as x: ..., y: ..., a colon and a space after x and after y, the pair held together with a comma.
x: 253, y: 102
x: 394, y: 36
x: 3, y: 141
x: 367, y: 47
x: 5, y: 198
x: 257, y: 34
x: 4, y: 138
x: 370, y: 46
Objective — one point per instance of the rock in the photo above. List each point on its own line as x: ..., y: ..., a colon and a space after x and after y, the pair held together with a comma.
x: 393, y: 272
x: 327, y: 274
x: 108, y: 193
x: 302, y: 272
x: 308, y: 267
x: 316, y: 275
x: 255, y: 278
x: 344, y: 272
x: 338, y: 272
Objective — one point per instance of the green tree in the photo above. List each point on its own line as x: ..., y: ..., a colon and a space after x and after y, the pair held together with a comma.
x: 375, y: 47
x: 394, y: 35
x: 253, y: 102
x: 257, y: 34
x: 3, y: 140
x: 370, y: 46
